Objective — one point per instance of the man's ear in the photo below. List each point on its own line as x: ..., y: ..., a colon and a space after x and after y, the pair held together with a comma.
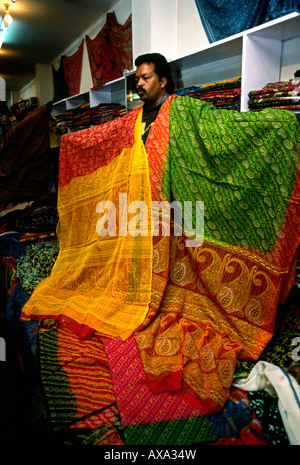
x: 163, y: 82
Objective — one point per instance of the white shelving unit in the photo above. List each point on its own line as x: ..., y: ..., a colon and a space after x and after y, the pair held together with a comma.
x: 267, y: 53
x: 112, y: 92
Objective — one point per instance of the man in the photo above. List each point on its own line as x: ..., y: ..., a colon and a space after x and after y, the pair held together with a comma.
x: 154, y: 84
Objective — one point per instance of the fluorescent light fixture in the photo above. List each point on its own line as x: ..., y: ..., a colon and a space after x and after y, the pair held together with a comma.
x: 5, y: 22
x: 7, y: 18
x: 3, y: 30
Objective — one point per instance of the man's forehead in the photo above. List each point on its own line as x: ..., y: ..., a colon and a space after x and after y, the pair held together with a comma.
x: 145, y: 68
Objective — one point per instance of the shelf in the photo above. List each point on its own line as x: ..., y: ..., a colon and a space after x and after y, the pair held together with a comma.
x: 284, y: 28
x: 258, y: 55
x: 112, y: 92
x: 267, y: 53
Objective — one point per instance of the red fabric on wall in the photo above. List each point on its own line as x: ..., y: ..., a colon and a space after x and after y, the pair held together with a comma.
x: 72, y: 66
x: 110, y: 52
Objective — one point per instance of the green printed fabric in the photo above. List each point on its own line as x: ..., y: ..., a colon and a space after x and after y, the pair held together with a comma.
x: 36, y: 263
x: 241, y: 165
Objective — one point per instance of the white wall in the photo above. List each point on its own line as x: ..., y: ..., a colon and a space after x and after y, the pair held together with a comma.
x: 122, y: 9
x: 29, y: 90
x: 154, y: 27
x: 43, y: 81
x: 170, y: 27
x: 191, y: 35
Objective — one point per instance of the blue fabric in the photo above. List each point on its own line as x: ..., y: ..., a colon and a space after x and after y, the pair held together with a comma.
x: 223, y: 18
x: 229, y: 422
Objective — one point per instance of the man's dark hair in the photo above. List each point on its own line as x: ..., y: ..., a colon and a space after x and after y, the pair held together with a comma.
x: 162, y: 67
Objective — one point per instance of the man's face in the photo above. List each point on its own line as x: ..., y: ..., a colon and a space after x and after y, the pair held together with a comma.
x: 149, y: 88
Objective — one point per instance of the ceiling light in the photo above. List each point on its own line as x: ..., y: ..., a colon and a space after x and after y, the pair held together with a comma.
x: 7, y: 18
x: 3, y: 29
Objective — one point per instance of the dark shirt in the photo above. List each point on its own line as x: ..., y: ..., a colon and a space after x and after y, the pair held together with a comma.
x: 149, y: 116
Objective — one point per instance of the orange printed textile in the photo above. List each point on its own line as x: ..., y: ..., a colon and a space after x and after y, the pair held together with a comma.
x: 100, y: 281
x: 193, y: 310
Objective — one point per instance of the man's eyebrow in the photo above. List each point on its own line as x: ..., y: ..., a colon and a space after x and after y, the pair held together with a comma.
x: 142, y: 75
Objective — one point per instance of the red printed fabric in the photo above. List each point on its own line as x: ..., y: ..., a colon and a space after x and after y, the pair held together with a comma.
x: 72, y: 66
x: 110, y: 52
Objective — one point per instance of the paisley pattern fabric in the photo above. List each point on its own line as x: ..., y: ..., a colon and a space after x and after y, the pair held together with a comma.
x: 219, y: 302
x: 110, y: 52
x: 193, y: 310
x: 279, y: 351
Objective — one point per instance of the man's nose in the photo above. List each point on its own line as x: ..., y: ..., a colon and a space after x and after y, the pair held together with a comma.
x: 139, y: 82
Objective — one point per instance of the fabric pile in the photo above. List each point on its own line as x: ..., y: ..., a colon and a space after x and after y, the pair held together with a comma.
x: 82, y: 116
x: 105, y: 112
x: 28, y: 250
x: 22, y: 107
x: 131, y: 337
x: 284, y: 95
x: 155, y: 319
x: 78, y: 117
x: 222, y: 94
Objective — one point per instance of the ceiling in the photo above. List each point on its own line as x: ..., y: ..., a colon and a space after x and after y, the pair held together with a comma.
x: 42, y: 30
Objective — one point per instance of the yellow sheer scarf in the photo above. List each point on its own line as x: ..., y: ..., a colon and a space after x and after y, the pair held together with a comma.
x: 103, y: 274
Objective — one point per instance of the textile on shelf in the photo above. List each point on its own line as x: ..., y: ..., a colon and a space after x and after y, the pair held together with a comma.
x: 220, y: 18
x: 72, y: 66
x: 205, y: 307
x: 82, y: 116
x: 110, y: 52
x: 284, y: 95
x: 224, y: 94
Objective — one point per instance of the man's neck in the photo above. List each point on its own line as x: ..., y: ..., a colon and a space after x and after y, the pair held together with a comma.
x: 157, y: 103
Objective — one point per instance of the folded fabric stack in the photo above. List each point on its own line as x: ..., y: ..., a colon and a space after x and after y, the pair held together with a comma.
x: 284, y: 95
x: 82, y: 116
x: 222, y: 94
x: 90, y: 387
x: 106, y: 112
x: 78, y: 116
x: 28, y: 250
x: 60, y: 124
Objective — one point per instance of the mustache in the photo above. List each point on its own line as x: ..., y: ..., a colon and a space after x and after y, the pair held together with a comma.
x: 141, y: 88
